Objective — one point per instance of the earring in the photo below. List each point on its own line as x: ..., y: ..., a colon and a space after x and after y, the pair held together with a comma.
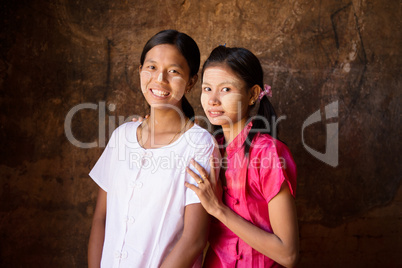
x: 252, y: 102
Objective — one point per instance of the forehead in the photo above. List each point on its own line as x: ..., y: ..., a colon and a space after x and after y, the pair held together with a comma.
x: 166, y: 53
x: 217, y: 74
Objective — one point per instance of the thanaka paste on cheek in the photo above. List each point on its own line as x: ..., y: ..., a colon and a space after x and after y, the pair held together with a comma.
x: 204, y: 101
x: 145, y: 78
x: 232, y: 103
x: 180, y: 84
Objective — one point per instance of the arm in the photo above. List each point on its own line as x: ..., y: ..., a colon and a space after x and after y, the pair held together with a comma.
x: 282, y: 245
x: 193, y: 240
x: 97, y: 236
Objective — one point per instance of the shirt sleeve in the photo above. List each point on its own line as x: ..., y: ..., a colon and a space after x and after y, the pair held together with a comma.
x: 277, y: 167
x: 202, y: 156
x: 101, y: 172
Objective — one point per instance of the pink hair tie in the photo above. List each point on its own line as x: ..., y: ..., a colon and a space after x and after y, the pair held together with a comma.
x: 266, y: 91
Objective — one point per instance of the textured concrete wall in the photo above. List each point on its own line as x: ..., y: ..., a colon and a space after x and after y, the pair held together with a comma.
x: 58, y: 54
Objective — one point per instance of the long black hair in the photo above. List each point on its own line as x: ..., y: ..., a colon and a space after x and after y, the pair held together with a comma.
x: 248, y: 68
x: 187, y: 47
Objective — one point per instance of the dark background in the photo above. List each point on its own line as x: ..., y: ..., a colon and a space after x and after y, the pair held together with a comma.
x: 55, y: 55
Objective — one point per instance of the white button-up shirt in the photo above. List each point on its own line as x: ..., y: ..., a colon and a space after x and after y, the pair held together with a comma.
x: 146, y: 195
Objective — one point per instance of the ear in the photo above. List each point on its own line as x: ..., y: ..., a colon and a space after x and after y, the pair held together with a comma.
x: 254, y: 92
x: 191, y: 83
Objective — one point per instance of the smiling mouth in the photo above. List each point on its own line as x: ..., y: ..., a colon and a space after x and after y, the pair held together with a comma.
x: 160, y: 93
x: 215, y: 113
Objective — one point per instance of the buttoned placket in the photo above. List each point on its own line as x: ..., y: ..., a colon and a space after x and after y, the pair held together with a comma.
x: 135, y: 185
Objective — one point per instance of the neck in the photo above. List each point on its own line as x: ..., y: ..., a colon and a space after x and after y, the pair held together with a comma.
x: 231, y: 131
x: 165, y: 120
x: 162, y: 128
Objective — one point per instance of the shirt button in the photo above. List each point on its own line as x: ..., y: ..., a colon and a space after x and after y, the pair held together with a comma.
x: 236, y: 202
x: 117, y: 254
x: 147, y: 154
x: 124, y: 255
x: 138, y: 184
x: 239, y: 257
x: 131, y: 220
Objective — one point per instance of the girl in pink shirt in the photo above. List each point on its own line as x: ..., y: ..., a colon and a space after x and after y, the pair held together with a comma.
x: 255, y: 221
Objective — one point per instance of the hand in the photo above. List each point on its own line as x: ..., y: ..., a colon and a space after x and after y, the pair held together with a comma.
x: 209, y: 189
x: 139, y: 118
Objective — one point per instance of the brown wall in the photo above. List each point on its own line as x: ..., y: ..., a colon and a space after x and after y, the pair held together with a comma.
x: 58, y: 54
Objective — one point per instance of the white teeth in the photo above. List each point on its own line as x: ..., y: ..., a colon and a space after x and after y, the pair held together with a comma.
x: 160, y: 93
x: 215, y: 113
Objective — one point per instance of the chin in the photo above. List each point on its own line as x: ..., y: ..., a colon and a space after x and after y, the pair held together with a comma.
x: 217, y: 121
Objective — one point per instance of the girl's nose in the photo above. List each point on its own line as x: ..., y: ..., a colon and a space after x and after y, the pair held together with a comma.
x: 161, y: 77
x: 213, y: 100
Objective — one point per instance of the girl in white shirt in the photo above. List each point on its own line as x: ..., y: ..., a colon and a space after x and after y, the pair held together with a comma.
x: 145, y: 216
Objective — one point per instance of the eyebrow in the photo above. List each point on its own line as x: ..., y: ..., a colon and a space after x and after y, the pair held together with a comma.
x: 171, y: 65
x: 235, y: 83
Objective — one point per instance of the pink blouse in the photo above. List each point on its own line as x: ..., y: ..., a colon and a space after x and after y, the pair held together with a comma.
x: 250, y: 185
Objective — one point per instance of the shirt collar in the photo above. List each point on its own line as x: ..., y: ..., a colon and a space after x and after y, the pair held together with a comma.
x: 238, y: 141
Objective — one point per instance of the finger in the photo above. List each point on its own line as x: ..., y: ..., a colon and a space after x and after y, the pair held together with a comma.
x: 138, y: 118
x: 192, y: 187
x: 200, y: 169
x: 194, y: 175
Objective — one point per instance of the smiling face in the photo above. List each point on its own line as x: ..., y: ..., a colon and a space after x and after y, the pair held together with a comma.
x: 224, y: 96
x: 165, y: 77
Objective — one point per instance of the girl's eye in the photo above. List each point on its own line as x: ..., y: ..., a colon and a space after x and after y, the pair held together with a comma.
x: 174, y: 71
x: 225, y: 89
x: 151, y: 67
x: 207, y: 89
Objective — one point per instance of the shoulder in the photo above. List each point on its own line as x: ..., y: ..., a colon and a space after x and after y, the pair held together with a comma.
x: 126, y: 127
x: 200, y: 135
x: 267, y: 143
x: 274, y: 154
x: 266, y: 147
x: 199, y: 140
x: 126, y: 132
